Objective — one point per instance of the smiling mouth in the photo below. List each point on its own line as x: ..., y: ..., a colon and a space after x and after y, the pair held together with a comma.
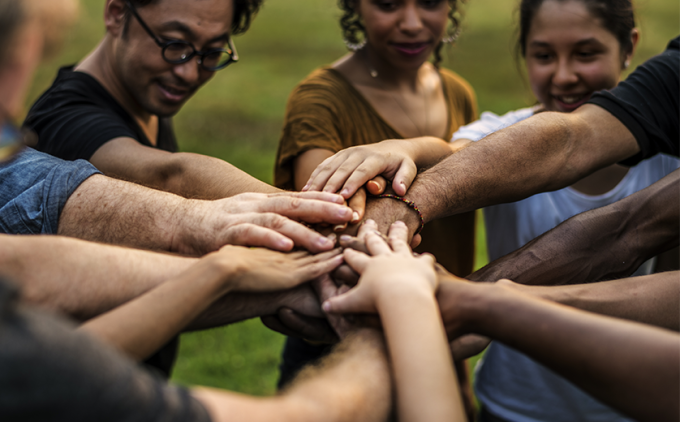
x: 174, y: 94
x: 411, y: 49
x: 573, y: 99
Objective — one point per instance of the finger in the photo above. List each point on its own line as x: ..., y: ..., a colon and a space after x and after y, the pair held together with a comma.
x: 273, y: 226
x: 404, y: 177
x: 356, y: 260
x: 348, y: 169
x: 398, y: 237
x: 315, y: 269
x: 307, y: 210
x: 363, y: 173
x: 377, y: 185
x: 316, y: 329
x: 324, y: 287
x: 274, y: 323
x: 377, y: 245
x: 322, y: 172
x: 351, y: 242
x: 248, y: 234
x: 346, y: 275
x: 469, y: 345
x: 369, y: 226
x: 416, y: 241
x: 358, y: 204
x: 351, y: 302
x: 319, y: 196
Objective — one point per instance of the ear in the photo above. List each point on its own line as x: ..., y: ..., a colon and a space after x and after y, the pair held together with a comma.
x: 634, y: 38
x: 114, y: 17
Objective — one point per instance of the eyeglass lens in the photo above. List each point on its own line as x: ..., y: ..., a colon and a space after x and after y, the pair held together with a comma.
x: 179, y: 52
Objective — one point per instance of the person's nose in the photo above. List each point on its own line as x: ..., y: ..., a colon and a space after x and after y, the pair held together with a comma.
x: 189, y: 72
x: 411, y: 21
x: 565, y: 74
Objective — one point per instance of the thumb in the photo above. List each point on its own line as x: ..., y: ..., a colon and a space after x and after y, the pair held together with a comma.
x: 404, y: 177
x: 349, y: 302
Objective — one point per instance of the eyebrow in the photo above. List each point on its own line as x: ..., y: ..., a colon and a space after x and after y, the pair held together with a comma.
x: 578, y: 44
x: 184, y: 29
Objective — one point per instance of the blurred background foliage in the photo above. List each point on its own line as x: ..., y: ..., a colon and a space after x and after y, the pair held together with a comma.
x: 238, y: 117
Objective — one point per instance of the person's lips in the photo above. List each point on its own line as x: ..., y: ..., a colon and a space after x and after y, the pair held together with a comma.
x: 411, y: 49
x: 173, y: 93
x: 570, y: 102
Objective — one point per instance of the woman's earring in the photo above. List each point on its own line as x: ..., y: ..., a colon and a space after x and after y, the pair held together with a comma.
x: 355, y: 46
x: 626, y: 64
x: 451, y: 36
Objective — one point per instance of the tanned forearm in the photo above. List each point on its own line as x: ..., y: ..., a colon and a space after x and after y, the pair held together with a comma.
x: 605, y: 243
x: 629, y: 366
x: 652, y: 299
x: 546, y: 152
x: 352, y: 384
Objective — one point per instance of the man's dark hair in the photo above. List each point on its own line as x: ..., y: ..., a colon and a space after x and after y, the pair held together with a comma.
x: 244, y: 12
x: 352, y: 27
x: 617, y: 17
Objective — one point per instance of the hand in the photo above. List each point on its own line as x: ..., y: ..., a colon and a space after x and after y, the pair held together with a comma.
x: 353, y: 167
x: 262, y: 270
x: 392, y: 266
x: 468, y: 345
x: 254, y: 219
x: 358, y: 201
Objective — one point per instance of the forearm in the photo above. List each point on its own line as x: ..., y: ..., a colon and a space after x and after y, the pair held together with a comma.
x: 352, y: 384
x: 202, y: 177
x: 548, y: 151
x: 426, y: 151
x: 83, y: 279
x: 652, y: 299
x: 141, y: 326
x: 608, y: 242
x: 630, y: 366
x: 427, y: 388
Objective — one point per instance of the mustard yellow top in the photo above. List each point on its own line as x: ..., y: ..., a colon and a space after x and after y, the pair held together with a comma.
x: 326, y: 111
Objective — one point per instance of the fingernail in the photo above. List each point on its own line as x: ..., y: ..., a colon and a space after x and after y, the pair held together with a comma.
x: 305, y: 187
x: 332, y: 238
x: 399, y: 223
x: 344, y: 192
x: 326, y: 306
x: 345, y: 238
x: 323, y: 242
x: 355, y: 217
x: 339, y: 227
x: 370, y: 221
x: 344, y: 212
x: 285, y: 243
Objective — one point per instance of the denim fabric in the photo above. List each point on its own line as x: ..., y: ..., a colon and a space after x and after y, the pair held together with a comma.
x: 34, y: 188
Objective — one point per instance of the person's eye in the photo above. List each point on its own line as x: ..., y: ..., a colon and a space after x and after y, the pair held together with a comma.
x: 431, y: 4
x: 542, y: 56
x: 586, y: 54
x: 386, y: 5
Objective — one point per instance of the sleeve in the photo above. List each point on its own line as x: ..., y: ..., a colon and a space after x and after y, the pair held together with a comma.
x: 34, y: 189
x: 72, y: 127
x: 311, y: 122
x: 50, y: 372
x: 490, y: 123
x: 647, y: 104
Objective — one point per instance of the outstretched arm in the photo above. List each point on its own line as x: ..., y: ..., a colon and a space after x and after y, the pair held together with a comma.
x: 352, y: 384
x: 629, y: 366
x: 113, y: 211
x: 608, y: 242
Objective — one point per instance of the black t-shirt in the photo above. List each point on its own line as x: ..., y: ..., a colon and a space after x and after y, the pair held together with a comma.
x: 51, y: 373
x: 77, y: 115
x: 647, y: 103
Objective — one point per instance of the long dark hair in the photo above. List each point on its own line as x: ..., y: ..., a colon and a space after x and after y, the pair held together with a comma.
x: 617, y: 16
x: 352, y: 27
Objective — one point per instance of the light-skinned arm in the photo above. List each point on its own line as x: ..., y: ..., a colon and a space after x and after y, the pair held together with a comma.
x: 400, y: 288
x: 112, y: 211
x: 352, y: 384
x: 630, y: 366
x: 141, y: 326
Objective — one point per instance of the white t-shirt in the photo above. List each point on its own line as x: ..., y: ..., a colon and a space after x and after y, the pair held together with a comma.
x: 510, y: 384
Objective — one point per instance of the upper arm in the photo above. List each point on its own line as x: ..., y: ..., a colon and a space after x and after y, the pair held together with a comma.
x: 306, y: 163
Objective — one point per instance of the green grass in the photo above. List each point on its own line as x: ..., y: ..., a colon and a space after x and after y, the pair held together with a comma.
x: 238, y: 116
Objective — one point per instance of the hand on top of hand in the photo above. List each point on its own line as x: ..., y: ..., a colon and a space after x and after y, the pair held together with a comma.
x: 352, y: 168
x: 256, y: 219
x: 391, y: 266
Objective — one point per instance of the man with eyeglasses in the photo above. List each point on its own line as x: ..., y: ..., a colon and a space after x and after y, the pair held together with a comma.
x: 115, y: 107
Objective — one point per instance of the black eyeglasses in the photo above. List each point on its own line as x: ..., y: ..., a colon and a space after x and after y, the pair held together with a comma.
x: 179, y: 51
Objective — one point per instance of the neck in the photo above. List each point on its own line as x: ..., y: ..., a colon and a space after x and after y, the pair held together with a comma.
x: 100, y: 64
x: 390, y: 77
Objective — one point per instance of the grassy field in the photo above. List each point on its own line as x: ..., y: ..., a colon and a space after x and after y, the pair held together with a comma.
x: 238, y: 116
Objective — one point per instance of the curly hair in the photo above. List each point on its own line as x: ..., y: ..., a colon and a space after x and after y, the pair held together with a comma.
x: 352, y: 27
x: 244, y: 13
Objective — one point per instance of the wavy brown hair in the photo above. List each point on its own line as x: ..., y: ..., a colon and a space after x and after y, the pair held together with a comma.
x: 352, y: 27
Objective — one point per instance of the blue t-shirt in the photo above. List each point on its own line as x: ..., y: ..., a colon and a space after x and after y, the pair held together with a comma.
x: 34, y: 188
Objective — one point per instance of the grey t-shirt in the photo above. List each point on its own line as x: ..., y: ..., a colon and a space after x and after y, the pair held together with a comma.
x: 51, y: 373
